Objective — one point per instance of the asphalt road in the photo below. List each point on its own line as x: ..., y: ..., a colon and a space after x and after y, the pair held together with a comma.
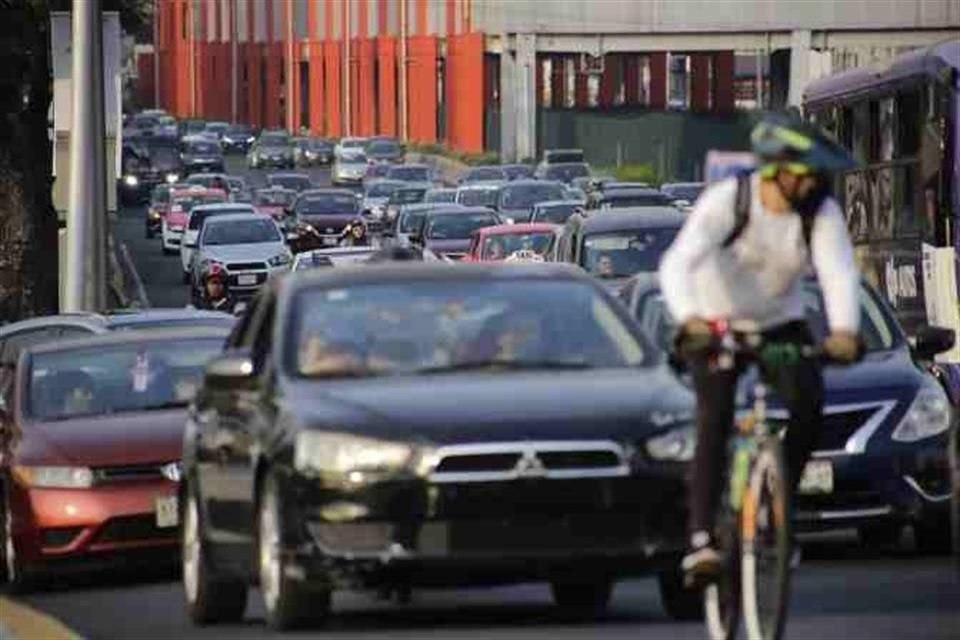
x: 160, y: 273
x: 839, y: 592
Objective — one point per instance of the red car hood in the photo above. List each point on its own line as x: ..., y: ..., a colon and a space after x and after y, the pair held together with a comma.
x: 102, y: 441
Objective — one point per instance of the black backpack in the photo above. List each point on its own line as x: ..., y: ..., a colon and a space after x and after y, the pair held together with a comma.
x: 741, y: 213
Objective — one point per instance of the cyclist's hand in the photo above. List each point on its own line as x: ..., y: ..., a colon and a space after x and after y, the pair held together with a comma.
x: 843, y: 347
x: 693, y: 338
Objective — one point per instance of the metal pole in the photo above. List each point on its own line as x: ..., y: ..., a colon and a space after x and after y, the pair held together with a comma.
x: 233, y: 61
x: 403, y: 70
x: 85, y: 288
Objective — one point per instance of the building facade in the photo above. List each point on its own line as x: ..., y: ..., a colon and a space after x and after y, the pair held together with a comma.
x: 474, y: 74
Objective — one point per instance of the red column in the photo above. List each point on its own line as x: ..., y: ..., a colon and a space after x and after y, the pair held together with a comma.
x: 316, y: 89
x: 451, y: 13
x: 581, y: 84
x: 422, y: 88
x: 658, y: 80
x: 558, y: 88
x: 465, y: 92
x: 631, y: 78
x: 723, y: 81
x: 383, y: 17
x: 367, y: 91
x: 700, y: 81
x: 387, y: 91
x: 146, y: 92
x: 609, y: 81
x: 332, y: 65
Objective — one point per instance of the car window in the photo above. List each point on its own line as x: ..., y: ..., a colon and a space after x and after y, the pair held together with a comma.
x: 201, y: 147
x: 407, y: 196
x: 525, y: 196
x: 503, y: 246
x: 14, y: 344
x: 625, y: 253
x: 440, y: 195
x: 557, y: 214
x: 235, y: 232
x: 478, y: 197
x: 328, y: 203
x: 414, y: 327
x: 458, y: 226
x: 411, y: 221
x: 382, y: 189
x: 409, y: 174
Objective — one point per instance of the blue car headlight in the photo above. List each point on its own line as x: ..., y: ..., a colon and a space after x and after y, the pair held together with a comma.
x: 928, y: 415
x: 321, y: 452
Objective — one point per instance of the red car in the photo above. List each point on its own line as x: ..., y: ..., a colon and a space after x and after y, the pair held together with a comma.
x: 274, y: 201
x: 526, y: 241
x: 91, y: 457
x: 182, y: 199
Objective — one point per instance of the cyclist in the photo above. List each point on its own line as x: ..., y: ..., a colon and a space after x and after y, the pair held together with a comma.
x: 215, y: 294
x: 740, y: 258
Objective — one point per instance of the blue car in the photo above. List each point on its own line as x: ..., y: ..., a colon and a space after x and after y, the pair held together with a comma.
x: 881, y: 460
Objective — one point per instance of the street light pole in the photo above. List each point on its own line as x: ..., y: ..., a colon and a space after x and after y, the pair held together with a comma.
x: 233, y: 8
x: 86, y: 271
x: 156, y: 54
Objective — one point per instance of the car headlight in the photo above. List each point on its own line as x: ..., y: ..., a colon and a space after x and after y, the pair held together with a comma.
x: 43, y: 477
x: 154, y: 215
x: 676, y: 445
x: 343, y: 454
x: 131, y: 181
x: 172, y: 177
x: 250, y: 139
x: 929, y: 415
x: 279, y: 260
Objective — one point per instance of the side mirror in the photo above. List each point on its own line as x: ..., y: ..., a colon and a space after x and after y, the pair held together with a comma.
x: 930, y: 341
x: 230, y: 371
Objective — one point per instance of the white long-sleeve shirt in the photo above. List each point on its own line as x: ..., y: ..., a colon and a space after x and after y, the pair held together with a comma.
x: 756, y: 282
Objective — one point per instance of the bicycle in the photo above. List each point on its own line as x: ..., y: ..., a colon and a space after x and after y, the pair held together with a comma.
x: 754, y: 526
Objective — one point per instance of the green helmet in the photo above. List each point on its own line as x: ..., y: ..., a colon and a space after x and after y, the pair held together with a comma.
x: 783, y: 138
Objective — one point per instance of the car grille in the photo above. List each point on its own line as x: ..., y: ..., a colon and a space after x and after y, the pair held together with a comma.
x: 246, y: 266
x: 133, y: 529
x: 553, y: 460
x: 131, y: 473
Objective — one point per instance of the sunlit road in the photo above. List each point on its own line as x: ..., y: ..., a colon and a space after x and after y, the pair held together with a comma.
x: 160, y: 273
x: 839, y: 593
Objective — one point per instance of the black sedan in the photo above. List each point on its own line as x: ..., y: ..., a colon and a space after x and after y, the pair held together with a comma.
x: 395, y: 426
x: 880, y: 462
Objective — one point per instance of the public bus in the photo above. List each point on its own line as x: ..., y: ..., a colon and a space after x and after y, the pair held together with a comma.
x: 902, y: 204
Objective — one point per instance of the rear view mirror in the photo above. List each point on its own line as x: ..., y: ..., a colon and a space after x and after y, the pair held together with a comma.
x: 230, y: 371
x: 931, y: 341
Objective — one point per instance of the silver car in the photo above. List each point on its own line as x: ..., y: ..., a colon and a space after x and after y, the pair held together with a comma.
x: 250, y: 247
x: 350, y: 167
x: 195, y: 221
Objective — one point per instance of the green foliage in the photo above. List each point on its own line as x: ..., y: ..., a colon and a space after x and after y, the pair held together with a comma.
x: 632, y: 173
x: 472, y: 159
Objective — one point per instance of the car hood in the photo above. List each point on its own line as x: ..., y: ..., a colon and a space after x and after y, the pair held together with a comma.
x: 476, y: 407
x: 375, y: 202
x: 256, y: 251
x: 177, y: 218
x: 110, y: 440
x: 201, y: 157
x: 443, y: 246
x: 884, y: 375
x: 275, y: 151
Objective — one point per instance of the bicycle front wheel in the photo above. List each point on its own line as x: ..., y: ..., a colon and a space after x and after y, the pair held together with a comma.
x: 721, y: 598
x: 765, y: 529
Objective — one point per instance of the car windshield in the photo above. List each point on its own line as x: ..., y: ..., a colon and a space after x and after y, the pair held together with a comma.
x: 378, y: 170
x: 524, y: 196
x: 622, y: 254
x: 518, y: 171
x: 555, y: 213
x: 876, y: 330
x: 163, y: 156
x: 106, y: 379
x: 566, y: 172
x: 502, y: 246
x: 623, y: 200
x: 274, y: 140
x: 333, y: 203
x: 481, y: 174
x: 197, y: 217
x: 202, y: 147
x: 189, y: 202
x: 478, y: 197
x: 233, y: 232
x: 239, y: 130
x: 458, y: 226
x: 407, y: 196
x: 411, y: 221
x: 217, y: 127
x: 445, y: 196
x: 382, y: 189
x: 297, y: 183
x: 274, y: 198
x: 384, y: 149
x: 410, y: 174
x: 421, y: 327
x: 353, y: 156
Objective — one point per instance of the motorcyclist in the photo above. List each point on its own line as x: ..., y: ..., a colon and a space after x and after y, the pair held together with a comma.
x: 740, y: 257
x: 215, y: 293
x: 355, y: 234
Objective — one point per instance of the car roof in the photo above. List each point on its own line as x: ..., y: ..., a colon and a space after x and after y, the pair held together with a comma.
x: 682, y: 184
x: 627, y: 192
x: 634, y: 218
x: 518, y: 229
x: 223, y: 206
x: 480, y: 186
x: 327, y: 192
x: 287, y: 174
x: 446, y: 210
x: 275, y: 188
x: 235, y: 217
x: 163, y: 314
x: 370, y: 183
x: 128, y: 337
x: 557, y: 203
x: 94, y: 321
x: 531, y: 182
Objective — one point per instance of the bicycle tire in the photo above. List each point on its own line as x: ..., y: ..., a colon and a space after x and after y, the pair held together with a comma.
x: 765, y: 531
x: 721, y: 598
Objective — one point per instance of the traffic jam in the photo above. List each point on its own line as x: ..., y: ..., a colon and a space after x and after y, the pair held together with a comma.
x: 400, y: 379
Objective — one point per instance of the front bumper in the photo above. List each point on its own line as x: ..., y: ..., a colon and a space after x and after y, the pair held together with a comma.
x: 483, y: 533
x: 886, y: 486
x: 280, y: 163
x: 53, y: 524
x: 171, y: 239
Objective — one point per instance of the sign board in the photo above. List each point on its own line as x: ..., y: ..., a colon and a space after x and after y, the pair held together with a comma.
x: 942, y: 296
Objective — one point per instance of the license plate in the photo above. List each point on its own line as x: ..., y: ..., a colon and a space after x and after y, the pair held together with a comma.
x: 246, y: 280
x: 817, y: 477
x: 167, y: 513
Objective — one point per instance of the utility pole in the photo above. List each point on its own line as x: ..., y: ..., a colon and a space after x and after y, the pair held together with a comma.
x: 403, y: 70
x: 234, y: 79
x: 292, y: 68
x: 156, y: 54
x: 86, y: 272
x: 346, y: 69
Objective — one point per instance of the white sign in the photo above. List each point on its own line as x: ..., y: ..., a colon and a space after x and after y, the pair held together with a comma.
x: 941, y: 293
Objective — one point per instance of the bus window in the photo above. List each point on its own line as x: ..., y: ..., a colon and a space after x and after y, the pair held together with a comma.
x: 909, y: 122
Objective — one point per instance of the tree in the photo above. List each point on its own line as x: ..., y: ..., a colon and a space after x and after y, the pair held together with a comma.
x: 28, y: 221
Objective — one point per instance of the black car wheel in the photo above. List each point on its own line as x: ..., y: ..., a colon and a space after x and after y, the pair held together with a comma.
x: 881, y: 535
x: 679, y: 601
x: 209, y: 598
x: 12, y: 572
x: 582, y: 598
x: 932, y: 535
x: 289, y: 603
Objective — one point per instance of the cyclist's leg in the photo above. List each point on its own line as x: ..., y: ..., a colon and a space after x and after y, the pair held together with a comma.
x: 800, y: 385
x: 716, y: 391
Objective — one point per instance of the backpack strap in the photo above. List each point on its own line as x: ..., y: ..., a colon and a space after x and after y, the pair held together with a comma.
x: 741, y: 209
x: 808, y: 222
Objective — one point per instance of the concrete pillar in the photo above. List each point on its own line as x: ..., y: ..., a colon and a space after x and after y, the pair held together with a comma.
x: 508, y: 99
x: 525, y: 89
x: 800, y: 54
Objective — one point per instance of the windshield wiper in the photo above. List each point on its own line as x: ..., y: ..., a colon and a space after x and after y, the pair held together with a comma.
x: 510, y: 365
